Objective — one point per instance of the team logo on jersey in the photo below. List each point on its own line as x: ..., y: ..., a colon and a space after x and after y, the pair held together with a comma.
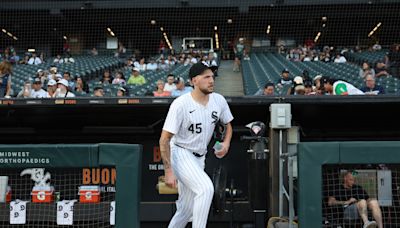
x: 214, y: 116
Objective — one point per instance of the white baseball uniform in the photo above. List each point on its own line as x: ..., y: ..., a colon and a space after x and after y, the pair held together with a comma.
x: 193, y: 125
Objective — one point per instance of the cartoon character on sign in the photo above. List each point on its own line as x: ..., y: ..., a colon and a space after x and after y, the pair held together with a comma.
x: 38, y: 176
x: 42, y: 191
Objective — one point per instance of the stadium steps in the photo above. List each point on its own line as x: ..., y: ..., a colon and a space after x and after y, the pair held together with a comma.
x: 228, y: 83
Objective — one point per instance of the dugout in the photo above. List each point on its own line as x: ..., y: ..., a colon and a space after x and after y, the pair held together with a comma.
x: 139, y: 121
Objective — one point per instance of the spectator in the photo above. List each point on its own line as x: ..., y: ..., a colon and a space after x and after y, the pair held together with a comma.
x: 340, y: 59
x: 381, y: 69
x: 62, y: 90
x: 180, y: 88
x: 107, y: 79
x: 269, y: 90
x: 14, y: 59
x: 370, y: 87
x: 71, y: 83
x: 98, y: 92
x: 170, y: 85
x: 284, y: 80
x: 394, y: 60
x: 58, y: 59
x: 51, y: 88
x: 25, y: 60
x: 163, y: 65
x: 299, y: 90
x: 339, y: 87
x: 142, y: 65
x: 122, y: 92
x: 81, y: 86
x: 37, y: 91
x: 239, y: 51
x: 119, y: 79
x: 171, y: 61
x: 94, y: 52
x: 53, y: 73
x: 26, y: 90
x: 376, y: 47
x: 160, y: 92
x: 34, y: 60
x: 152, y: 65
x: 308, y: 88
x: 41, y: 74
x: 42, y: 57
x: 136, y: 78
x: 366, y: 70
x: 355, y: 202
x: 5, y: 79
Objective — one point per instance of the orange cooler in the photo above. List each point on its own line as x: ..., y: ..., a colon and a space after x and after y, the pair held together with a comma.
x: 89, y: 194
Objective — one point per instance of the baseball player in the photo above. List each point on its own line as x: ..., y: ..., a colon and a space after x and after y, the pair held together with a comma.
x: 187, y: 130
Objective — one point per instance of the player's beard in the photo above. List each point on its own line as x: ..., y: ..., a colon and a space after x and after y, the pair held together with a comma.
x: 207, y: 90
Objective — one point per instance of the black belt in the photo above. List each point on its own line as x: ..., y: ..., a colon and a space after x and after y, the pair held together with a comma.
x: 194, y: 153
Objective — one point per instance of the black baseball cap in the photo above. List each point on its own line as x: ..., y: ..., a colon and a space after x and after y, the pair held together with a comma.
x: 37, y: 81
x: 285, y: 71
x: 197, y: 69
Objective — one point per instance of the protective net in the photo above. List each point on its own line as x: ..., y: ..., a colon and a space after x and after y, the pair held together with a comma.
x: 356, y: 194
x: 99, y: 43
x: 74, y: 197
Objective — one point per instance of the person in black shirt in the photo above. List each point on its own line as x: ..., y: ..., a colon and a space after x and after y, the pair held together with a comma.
x: 356, y: 201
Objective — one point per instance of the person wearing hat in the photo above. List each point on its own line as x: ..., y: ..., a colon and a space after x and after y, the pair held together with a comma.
x: 62, y: 90
x: 98, y: 92
x: 136, y: 78
x: 180, y: 87
x: 51, y: 88
x: 285, y: 80
x: 122, y: 92
x: 37, y: 91
x: 338, y: 87
x: 187, y: 130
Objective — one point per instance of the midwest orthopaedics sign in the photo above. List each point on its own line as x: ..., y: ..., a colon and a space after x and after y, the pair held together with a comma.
x: 20, y: 157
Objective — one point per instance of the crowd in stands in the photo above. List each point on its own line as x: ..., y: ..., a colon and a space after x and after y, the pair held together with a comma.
x: 48, y: 83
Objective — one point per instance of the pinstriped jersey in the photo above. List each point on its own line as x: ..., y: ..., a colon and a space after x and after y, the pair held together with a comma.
x: 193, y: 124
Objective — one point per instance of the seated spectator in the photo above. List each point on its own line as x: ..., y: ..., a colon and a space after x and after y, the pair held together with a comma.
x: 366, y: 70
x: 98, y: 92
x: 284, y: 80
x: 122, y: 92
x: 42, y: 57
x: 180, y: 88
x: 163, y: 65
x: 81, y: 86
x: 381, y: 69
x: 26, y: 90
x: 371, y: 88
x: 41, y: 74
x: 160, y: 92
x: 34, y: 60
x: 62, y: 90
x: 142, y: 66
x: 14, y: 59
x: 339, y: 87
x: 376, y: 47
x: 71, y: 83
x: 268, y: 90
x: 37, y: 91
x: 58, y: 59
x: 152, y: 65
x: 107, y: 79
x: 25, y: 60
x: 170, y: 85
x: 170, y: 61
x: 299, y: 90
x: 355, y: 202
x: 340, y: 59
x: 136, y: 78
x: 119, y: 78
x: 308, y: 88
x: 5, y: 79
x: 52, y: 73
x: 51, y: 88
x: 94, y: 52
